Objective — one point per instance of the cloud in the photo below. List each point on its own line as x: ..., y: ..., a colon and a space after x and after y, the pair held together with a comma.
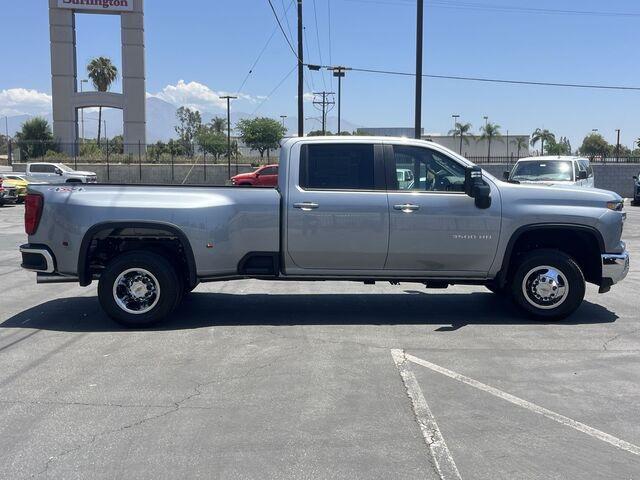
x: 197, y: 96
x: 21, y: 101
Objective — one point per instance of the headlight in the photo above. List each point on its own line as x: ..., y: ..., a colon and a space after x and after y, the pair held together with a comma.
x: 615, y: 205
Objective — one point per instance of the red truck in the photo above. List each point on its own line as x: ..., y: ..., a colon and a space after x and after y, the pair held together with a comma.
x: 266, y: 176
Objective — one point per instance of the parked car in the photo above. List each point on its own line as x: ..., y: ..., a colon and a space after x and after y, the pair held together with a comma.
x: 20, y: 182
x: 266, y: 176
x: 636, y: 190
x: 58, y: 173
x: 556, y: 170
x: 8, y: 194
x: 339, y: 213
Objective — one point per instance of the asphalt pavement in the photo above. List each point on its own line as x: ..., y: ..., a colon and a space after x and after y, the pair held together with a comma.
x: 286, y: 380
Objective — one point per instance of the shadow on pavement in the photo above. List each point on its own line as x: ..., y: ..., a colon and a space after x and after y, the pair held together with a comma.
x: 454, y: 310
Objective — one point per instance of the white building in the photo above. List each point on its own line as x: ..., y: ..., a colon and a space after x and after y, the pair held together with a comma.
x: 472, y: 146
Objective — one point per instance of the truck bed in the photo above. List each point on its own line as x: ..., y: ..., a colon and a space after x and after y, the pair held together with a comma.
x: 222, y: 224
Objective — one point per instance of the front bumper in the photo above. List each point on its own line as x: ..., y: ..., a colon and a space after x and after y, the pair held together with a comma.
x: 615, y: 267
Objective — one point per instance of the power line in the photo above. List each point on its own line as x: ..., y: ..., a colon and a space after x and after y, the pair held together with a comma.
x: 264, y: 48
x: 282, y: 29
x: 275, y: 88
x: 308, y: 55
x: 286, y: 17
x: 315, y: 16
x: 491, y: 80
x: 503, y: 8
x: 329, y: 25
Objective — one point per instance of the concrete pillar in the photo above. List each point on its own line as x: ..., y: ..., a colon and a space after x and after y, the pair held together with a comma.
x: 66, y: 99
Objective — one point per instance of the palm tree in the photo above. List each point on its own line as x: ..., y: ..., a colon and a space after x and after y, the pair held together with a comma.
x: 489, y: 132
x: 102, y: 73
x: 542, y: 136
x: 462, y: 130
x: 521, y: 143
x: 218, y: 124
x: 638, y: 142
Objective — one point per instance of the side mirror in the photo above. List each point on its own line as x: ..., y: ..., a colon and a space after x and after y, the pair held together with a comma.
x: 582, y: 175
x: 635, y: 177
x: 58, y: 171
x: 475, y: 187
x: 505, y: 174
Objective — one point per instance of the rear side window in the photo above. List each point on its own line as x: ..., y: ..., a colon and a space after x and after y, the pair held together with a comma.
x: 337, y: 167
x: 42, y: 168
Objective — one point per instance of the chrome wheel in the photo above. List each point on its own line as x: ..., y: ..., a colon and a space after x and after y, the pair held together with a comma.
x: 136, y: 291
x: 545, y: 287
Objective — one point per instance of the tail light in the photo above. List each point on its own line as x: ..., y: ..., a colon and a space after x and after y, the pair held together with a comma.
x: 32, y: 212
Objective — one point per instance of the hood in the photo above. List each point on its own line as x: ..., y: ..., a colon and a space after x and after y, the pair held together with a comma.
x: 244, y: 175
x: 557, y: 194
x: 81, y: 172
x: 548, y: 183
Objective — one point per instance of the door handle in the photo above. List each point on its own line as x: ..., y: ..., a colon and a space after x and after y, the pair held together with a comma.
x: 306, y: 206
x: 407, y: 207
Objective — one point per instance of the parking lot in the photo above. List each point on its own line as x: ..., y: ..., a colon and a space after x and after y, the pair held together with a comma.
x: 256, y: 379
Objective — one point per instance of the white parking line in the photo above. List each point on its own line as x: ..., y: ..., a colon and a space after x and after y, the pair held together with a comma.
x: 600, y: 435
x: 442, y: 458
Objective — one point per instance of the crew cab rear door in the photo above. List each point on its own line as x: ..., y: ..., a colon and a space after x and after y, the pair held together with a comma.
x: 337, y: 217
x: 435, y: 228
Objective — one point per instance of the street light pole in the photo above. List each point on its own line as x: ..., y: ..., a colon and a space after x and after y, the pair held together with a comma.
x: 82, y: 111
x: 283, y: 117
x: 339, y: 72
x: 455, y: 120
x: 419, y: 34
x: 228, y: 98
x: 486, y: 120
x: 618, y: 146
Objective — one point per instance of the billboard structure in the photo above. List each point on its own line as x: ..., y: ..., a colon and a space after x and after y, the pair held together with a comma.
x: 64, y: 82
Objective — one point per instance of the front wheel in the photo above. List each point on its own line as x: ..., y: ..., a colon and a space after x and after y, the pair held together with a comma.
x: 548, y: 284
x: 138, y: 289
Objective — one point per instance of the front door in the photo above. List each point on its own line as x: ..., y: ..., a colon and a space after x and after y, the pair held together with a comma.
x: 268, y: 177
x: 337, y: 211
x: 435, y: 227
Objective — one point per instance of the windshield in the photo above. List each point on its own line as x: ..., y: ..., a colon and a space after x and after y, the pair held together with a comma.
x: 64, y: 168
x: 543, y: 171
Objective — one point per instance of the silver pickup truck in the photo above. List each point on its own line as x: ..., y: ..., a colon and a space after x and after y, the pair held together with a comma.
x: 339, y: 213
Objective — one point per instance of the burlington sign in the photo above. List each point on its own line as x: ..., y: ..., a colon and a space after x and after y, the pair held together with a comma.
x: 104, y: 5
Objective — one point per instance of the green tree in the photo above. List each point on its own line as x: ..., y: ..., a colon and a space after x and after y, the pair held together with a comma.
x: 542, y: 136
x: 218, y: 124
x: 593, y: 145
x: 212, y: 142
x: 35, y: 138
x: 318, y: 133
x: 102, y: 73
x: 521, y: 144
x: 563, y: 147
x: 638, y: 142
x: 261, y: 134
x: 489, y: 132
x: 461, y: 130
x: 187, y: 130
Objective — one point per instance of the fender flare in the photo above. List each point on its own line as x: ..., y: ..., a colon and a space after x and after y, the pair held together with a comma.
x: 506, y: 259
x: 84, y: 274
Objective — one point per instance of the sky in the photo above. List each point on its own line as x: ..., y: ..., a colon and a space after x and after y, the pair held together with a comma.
x: 197, y: 50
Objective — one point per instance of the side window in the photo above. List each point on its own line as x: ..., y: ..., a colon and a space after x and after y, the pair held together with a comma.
x: 42, y: 168
x: 337, y: 167
x: 425, y: 170
x: 269, y: 171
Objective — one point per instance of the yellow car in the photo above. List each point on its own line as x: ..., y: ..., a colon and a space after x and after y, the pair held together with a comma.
x: 18, y: 181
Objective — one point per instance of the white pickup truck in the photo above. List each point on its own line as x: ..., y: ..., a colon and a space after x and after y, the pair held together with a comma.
x: 339, y: 212
x: 58, y: 173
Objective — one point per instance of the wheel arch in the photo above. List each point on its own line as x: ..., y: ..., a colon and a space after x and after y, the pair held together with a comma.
x: 545, y: 230
x: 84, y: 273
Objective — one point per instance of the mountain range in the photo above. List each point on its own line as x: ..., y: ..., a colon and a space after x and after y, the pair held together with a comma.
x: 161, y: 120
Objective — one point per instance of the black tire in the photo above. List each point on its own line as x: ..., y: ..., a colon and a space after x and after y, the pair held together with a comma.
x: 162, y: 289
x: 567, y: 278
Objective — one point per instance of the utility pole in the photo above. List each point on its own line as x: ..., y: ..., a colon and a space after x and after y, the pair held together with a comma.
x: 325, y: 103
x: 618, y: 146
x: 419, y: 34
x: 228, y: 98
x: 283, y: 117
x: 339, y: 73
x: 300, y: 73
